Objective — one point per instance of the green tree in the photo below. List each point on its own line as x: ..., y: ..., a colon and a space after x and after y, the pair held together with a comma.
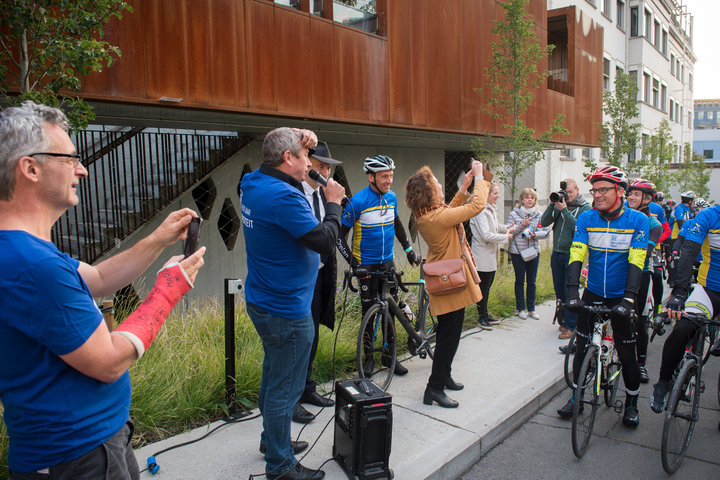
x: 47, y: 45
x: 693, y: 174
x: 619, y: 134
x: 511, y: 79
x: 658, y: 154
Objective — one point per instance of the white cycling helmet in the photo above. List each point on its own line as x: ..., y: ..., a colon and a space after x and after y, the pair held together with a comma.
x: 378, y: 163
x: 690, y: 195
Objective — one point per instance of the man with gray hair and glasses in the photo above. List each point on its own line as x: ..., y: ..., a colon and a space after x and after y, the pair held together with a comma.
x: 64, y: 382
x: 283, y: 242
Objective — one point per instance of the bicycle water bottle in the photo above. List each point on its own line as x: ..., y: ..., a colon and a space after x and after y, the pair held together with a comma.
x: 406, y: 308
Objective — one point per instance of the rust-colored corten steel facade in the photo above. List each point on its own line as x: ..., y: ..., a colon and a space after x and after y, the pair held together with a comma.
x: 420, y: 72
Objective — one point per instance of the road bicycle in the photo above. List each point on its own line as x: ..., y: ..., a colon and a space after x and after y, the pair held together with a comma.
x: 376, y: 353
x: 600, y: 370
x: 682, y: 410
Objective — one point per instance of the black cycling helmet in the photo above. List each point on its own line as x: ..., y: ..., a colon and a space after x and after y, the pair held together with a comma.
x: 659, y: 196
x: 378, y: 163
x: 609, y: 173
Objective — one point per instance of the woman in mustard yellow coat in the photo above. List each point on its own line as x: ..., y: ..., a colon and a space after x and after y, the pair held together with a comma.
x: 437, y: 223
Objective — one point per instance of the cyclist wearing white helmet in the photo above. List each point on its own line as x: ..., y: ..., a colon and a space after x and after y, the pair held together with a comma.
x: 372, y: 214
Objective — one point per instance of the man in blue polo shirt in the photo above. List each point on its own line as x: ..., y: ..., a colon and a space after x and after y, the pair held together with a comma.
x: 283, y: 242
x: 64, y: 380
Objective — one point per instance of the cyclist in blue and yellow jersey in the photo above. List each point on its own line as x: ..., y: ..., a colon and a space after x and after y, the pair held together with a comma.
x: 681, y: 213
x: 615, y: 239
x: 702, y: 237
x: 372, y: 214
x: 640, y: 194
x: 657, y: 211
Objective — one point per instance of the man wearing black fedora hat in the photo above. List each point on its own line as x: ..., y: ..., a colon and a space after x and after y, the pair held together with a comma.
x: 323, y: 302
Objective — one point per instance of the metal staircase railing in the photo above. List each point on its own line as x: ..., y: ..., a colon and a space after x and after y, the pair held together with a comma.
x: 131, y: 176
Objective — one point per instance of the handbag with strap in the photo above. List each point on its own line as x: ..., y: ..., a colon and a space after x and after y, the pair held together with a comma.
x: 444, y: 277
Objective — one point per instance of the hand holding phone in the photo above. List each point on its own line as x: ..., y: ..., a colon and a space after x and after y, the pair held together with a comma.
x: 191, y: 241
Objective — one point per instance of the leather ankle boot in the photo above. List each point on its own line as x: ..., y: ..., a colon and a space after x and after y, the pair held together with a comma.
x: 439, y: 397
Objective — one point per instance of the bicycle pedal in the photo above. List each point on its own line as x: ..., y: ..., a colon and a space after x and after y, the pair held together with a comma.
x: 422, y: 354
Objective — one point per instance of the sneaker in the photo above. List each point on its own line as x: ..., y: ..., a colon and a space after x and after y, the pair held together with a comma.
x: 522, y: 314
x: 483, y: 324
x: 563, y: 349
x: 644, y: 378
x: 534, y: 316
x: 659, y: 395
x: 493, y: 321
x: 567, y: 410
x: 631, y: 416
x: 565, y: 334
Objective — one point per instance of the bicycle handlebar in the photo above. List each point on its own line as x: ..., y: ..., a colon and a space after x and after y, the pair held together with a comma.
x: 597, y: 309
x: 387, y: 274
x: 695, y: 317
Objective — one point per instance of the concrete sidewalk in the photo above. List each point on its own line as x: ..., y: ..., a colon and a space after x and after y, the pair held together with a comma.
x: 509, y: 373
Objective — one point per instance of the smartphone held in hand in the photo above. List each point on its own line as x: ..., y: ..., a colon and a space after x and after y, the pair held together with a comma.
x: 191, y: 242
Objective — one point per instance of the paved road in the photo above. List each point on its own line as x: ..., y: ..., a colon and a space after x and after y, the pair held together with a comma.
x: 541, y: 448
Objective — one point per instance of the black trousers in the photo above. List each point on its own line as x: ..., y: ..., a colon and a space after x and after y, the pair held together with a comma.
x: 446, y: 344
x: 486, y: 281
x: 642, y: 324
x: 319, y: 301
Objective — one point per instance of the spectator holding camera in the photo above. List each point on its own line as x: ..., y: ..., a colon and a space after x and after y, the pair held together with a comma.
x: 562, y: 213
x: 525, y: 250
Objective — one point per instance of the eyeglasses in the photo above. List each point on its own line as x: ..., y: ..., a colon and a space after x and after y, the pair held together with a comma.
x: 601, y: 190
x: 74, y: 158
x: 383, y: 206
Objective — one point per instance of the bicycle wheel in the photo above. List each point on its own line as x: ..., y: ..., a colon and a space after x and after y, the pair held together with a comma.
x: 680, y: 417
x: 376, y: 350
x: 568, y: 362
x: 613, y: 369
x: 718, y: 393
x: 430, y: 329
x: 586, y: 403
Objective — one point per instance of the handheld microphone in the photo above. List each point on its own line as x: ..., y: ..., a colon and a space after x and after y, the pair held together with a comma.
x: 315, y: 175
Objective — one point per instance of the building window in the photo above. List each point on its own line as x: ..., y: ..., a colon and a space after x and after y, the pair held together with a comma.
x: 677, y: 112
x: 634, y: 75
x: 648, y: 25
x: 656, y: 93
x: 317, y: 8
x: 690, y: 81
x: 646, y: 82
x: 360, y: 14
x: 672, y: 64
x: 682, y: 74
x: 620, y: 12
x: 689, y: 119
x: 663, y: 98
x: 606, y: 74
x: 677, y: 68
x: 289, y: 3
x: 557, y: 76
x: 708, y: 154
x: 586, y: 153
x: 607, y: 8
x: 672, y: 110
x: 664, y: 42
x: 591, y: 2
x: 567, y: 153
x: 634, y: 21
x: 656, y: 37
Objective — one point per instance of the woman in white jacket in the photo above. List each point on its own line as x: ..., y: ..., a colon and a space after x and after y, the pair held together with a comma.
x: 525, y: 238
x: 486, y: 236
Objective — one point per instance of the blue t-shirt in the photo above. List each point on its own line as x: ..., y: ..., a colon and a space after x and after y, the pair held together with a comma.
x: 658, y: 212
x: 281, y: 271
x: 611, y: 246
x: 705, y: 230
x: 372, y: 218
x: 682, y: 212
x: 53, y: 412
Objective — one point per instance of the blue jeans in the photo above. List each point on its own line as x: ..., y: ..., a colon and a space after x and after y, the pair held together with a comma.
x: 523, y: 269
x: 286, y: 343
x: 559, y: 265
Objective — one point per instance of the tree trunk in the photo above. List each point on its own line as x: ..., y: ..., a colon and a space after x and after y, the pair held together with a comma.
x: 24, y: 64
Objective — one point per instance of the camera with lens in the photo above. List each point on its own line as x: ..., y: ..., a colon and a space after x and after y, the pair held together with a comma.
x: 556, y: 196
